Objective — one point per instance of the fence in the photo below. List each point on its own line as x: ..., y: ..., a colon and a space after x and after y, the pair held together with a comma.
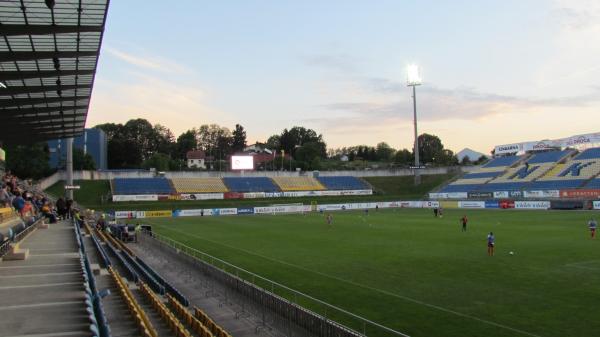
x: 268, y: 297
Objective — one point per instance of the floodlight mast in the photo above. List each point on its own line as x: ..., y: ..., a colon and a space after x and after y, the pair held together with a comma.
x: 413, y: 80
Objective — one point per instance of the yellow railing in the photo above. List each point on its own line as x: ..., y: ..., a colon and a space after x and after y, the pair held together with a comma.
x: 174, y: 324
x: 142, y: 321
x: 185, y: 316
x: 209, y: 323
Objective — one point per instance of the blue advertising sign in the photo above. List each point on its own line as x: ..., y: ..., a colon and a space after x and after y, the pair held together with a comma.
x: 245, y: 210
x: 492, y: 204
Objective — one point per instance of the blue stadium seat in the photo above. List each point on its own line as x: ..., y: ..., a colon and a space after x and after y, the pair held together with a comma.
x: 595, y: 183
x: 479, y: 175
x: 343, y: 183
x: 502, y: 161
x: 548, y: 157
x: 513, y: 186
x: 589, y: 154
x: 250, y: 184
x: 555, y: 184
x: 142, y: 186
x: 460, y: 188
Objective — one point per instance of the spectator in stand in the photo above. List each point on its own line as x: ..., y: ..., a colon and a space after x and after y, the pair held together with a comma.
x: 4, y: 196
x: 18, y: 202
x: 47, y: 212
x: 61, y: 208
x: 77, y: 217
x: 69, y: 204
x: 101, y: 223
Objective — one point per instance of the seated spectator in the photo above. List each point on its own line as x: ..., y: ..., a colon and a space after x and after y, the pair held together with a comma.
x: 101, y: 223
x: 18, y: 202
x: 4, y: 196
x: 47, y: 212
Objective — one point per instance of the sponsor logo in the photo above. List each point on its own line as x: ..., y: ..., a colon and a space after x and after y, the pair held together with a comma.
x: 541, y: 146
x: 596, y: 204
x: 542, y: 194
x: 589, y: 193
x: 245, y: 210
x: 228, y: 211
x: 501, y: 194
x: 515, y: 194
x: 140, y: 197
x: 578, y: 140
x: 158, y: 214
x: 508, y: 148
x: 480, y: 195
x: 492, y: 204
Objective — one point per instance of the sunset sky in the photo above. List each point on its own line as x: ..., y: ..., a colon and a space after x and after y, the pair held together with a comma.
x: 494, y: 72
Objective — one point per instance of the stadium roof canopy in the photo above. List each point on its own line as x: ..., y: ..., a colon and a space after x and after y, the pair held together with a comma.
x: 48, y: 57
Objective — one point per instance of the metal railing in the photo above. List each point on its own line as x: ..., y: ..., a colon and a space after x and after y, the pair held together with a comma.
x: 344, y: 323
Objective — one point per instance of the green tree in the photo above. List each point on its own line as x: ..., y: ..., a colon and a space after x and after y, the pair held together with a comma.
x: 159, y: 161
x: 187, y: 141
x: 28, y: 161
x: 404, y: 157
x: 384, y: 152
x: 239, y: 138
x: 83, y: 161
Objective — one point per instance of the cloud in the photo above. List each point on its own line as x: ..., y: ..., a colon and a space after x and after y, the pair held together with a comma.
x: 146, y: 61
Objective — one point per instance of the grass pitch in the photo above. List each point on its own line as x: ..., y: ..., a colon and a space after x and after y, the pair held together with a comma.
x: 421, y: 275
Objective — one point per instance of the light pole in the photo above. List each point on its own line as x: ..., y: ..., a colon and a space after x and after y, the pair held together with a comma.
x: 413, y: 79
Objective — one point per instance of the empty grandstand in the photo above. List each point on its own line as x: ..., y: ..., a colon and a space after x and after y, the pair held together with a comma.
x: 550, y: 170
x: 251, y: 184
x: 298, y: 184
x: 343, y: 183
x: 141, y: 186
x: 199, y: 185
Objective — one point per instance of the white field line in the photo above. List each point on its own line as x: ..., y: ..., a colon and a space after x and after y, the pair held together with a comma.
x: 385, y: 292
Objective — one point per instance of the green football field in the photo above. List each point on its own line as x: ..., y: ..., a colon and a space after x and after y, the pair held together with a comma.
x: 420, y: 275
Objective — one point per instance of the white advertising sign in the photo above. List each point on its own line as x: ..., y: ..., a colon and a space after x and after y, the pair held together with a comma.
x: 254, y: 195
x: 195, y: 212
x: 139, y: 197
x: 508, y: 148
x: 532, y: 204
x: 438, y: 195
x: 242, y: 162
x: 471, y: 204
x: 542, y: 194
x: 596, y: 204
x: 201, y: 196
x: 500, y: 194
x: 457, y: 195
x: 282, y: 209
x: 125, y: 214
x: 227, y: 211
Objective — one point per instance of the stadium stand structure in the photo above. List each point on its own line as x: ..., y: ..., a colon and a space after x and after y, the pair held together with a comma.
x: 250, y: 184
x: 142, y: 186
x: 199, y: 185
x: 551, y: 170
x: 298, y: 184
x: 343, y: 183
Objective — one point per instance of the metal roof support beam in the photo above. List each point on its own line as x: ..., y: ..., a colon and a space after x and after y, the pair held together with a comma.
x: 42, y: 88
x: 41, y: 110
x: 13, y: 30
x: 30, y: 101
x: 39, y: 55
x: 16, y: 120
x: 17, y: 75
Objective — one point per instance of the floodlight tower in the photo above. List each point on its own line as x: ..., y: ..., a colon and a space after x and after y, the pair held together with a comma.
x: 413, y: 79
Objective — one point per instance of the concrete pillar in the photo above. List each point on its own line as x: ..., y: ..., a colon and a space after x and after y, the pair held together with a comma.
x: 69, y: 166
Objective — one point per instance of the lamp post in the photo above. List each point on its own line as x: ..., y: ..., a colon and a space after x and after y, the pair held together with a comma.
x: 413, y: 79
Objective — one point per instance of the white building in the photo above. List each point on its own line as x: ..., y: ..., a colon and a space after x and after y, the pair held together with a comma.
x: 195, y: 159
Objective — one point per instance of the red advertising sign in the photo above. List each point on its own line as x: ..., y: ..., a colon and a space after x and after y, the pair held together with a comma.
x: 592, y: 194
x: 507, y: 203
x: 233, y: 195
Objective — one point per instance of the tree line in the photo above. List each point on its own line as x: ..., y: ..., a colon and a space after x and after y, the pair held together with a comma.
x: 140, y: 144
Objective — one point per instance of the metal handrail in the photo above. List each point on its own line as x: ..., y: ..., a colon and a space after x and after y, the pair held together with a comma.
x: 183, y: 247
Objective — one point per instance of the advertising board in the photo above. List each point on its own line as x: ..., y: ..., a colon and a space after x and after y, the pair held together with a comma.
x: 457, y: 195
x: 245, y: 210
x: 584, y: 193
x: 201, y: 196
x: 492, y: 204
x: 541, y: 194
x: 159, y: 214
x: 438, y: 195
x: 254, y: 195
x: 136, y: 197
x: 227, y: 211
x: 124, y: 214
x: 500, y: 194
x: 471, y: 204
x: 596, y: 204
x: 532, y: 204
x: 480, y: 195
x: 192, y: 212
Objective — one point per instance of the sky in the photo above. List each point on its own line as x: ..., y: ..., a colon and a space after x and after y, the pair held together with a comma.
x: 494, y: 72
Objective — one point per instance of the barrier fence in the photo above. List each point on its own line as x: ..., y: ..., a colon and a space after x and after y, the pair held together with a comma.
x: 267, y: 299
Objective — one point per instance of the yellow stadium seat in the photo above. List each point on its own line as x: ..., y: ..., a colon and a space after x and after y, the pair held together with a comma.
x: 298, y: 184
x: 199, y: 185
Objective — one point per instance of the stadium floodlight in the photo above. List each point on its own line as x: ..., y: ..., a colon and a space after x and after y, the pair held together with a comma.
x: 413, y: 78
x: 413, y: 75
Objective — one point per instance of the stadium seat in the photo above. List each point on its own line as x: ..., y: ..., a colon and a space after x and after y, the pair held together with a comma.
x: 343, y: 183
x: 298, y: 184
x: 250, y: 184
x: 125, y: 186
x: 199, y: 185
